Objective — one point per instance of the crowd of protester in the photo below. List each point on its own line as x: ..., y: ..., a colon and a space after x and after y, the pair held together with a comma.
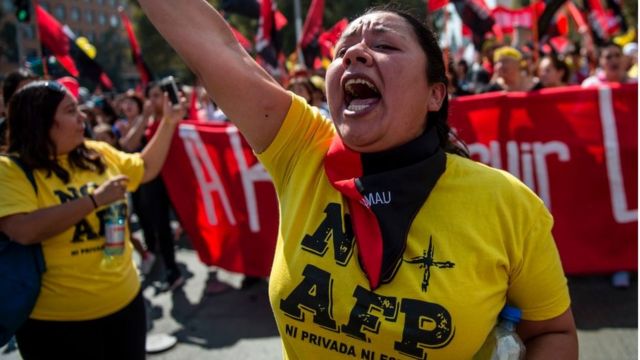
x: 124, y: 121
x: 507, y: 68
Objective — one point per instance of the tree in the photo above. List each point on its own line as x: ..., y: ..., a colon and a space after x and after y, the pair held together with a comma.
x: 160, y: 57
x: 8, y: 43
x: 112, y: 48
x: 163, y: 60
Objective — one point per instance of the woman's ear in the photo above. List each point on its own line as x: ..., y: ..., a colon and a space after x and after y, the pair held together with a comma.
x: 437, y: 92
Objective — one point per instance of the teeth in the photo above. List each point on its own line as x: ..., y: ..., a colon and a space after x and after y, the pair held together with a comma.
x: 361, y: 81
x: 354, y: 107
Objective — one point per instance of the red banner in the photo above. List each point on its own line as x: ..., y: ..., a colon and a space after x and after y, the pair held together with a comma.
x: 507, y: 19
x: 224, y: 198
x: 577, y: 148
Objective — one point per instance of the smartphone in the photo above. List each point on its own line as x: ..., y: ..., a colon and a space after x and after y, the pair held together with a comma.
x: 169, y: 86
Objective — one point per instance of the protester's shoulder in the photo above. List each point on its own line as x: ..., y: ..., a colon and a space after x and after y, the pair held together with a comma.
x: 10, y: 173
x: 592, y: 80
x: 102, y: 148
x: 301, y: 109
x: 302, y: 123
x: 108, y: 152
x: 98, y: 145
x: 488, y: 180
x: 8, y: 166
x: 5, y: 163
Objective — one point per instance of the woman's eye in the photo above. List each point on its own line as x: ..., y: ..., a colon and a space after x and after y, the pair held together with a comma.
x: 384, y: 47
x: 340, y: 53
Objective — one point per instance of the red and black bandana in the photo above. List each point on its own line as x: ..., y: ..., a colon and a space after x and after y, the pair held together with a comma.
x: 385, y: 191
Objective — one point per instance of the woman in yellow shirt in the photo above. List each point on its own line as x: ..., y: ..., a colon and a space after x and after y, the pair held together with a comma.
x: 391, y: 242
x: 86, y: 309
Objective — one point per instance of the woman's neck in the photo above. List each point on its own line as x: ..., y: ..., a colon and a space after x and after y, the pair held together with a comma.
x: 401, y: 156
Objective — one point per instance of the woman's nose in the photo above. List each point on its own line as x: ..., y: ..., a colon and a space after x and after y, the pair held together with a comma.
x: 357, y: 54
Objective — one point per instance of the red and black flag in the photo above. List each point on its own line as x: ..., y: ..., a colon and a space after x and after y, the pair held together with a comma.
x: 247, y: 8
x: 477, y: 17
x: 60, y: 42
x: 55, y: 41
x: 246, y: 44
x: 328, y: 39
x: 598, y: 21
x: 311, y: 30
x: 268, y: 40
x: 615, y: 13
x: 136, y: 54
x: 434, y: 5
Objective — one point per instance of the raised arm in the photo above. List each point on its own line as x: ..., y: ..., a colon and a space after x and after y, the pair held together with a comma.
x: 550, y: 339
x: 249, y: 96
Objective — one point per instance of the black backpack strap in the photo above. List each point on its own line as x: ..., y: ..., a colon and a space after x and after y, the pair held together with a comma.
x: 27, y: 171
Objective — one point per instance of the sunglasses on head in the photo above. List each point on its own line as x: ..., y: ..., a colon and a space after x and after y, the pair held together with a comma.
x: 51, y: 85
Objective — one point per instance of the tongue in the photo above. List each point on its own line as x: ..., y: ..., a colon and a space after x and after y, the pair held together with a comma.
x: 363, y: 102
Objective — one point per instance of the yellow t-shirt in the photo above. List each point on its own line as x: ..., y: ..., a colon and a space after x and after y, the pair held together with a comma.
x: 75, y: 286
x: 480, y: 240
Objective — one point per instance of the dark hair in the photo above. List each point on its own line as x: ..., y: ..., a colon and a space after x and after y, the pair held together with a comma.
x: 136, y: 99
x: 13, y: 80
x: 151, y: 85
x: 436, y: 73
x: 104, y: 105
x: 31, y: 116
x: 606, y: 45
x: 305, y: 83
x: 560, y: 65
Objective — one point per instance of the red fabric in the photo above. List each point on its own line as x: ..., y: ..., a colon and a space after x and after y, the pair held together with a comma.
x: 343, y: 166
x: 562, y: 24
x: 267, y: 43
x: 192, y: 112
x: 145, y: 77
x: 560, y: 44
x: 71, y: 84
x: 433, y: 5
x: 221, y: 240
x: 588, y: 180
x: 265, y: 25
x: 599, y: 19
x: 313, y: 23
x: 577, y: 16
x: 280, y: 19
x: 497, y: 31
x: 246, y: 44
x: 328, y: 39
x: 555, y: 135
x: 55, y: 40
x: 106, y: 81
x: 508, y: 19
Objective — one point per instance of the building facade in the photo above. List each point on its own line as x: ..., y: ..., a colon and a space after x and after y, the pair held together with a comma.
x: 87, y: 18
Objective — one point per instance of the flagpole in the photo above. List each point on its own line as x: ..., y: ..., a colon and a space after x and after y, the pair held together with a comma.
x: 45, y: 70
x: 298, y: 23
x: 536, y: 40
x: 447, y: 47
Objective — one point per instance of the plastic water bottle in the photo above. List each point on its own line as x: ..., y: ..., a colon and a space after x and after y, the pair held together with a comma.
x: 115, y: 234
x: 503, y: 343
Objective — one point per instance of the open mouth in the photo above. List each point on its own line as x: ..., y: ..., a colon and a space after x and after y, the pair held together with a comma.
x: 360, y: 94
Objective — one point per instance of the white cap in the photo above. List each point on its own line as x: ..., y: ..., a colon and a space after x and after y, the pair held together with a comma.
x: 630, y: 49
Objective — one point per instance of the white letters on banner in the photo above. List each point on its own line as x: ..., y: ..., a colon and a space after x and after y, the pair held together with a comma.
x: 201, y: 162
x: 249, y: 176
x: 621, y: 213
x: 533, y: 157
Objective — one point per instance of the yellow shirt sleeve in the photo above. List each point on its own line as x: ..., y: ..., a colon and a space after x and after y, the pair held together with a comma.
x: 16, y: 193
x: 538, y: 284
x: 128, y: 164
x: 303, y: 131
